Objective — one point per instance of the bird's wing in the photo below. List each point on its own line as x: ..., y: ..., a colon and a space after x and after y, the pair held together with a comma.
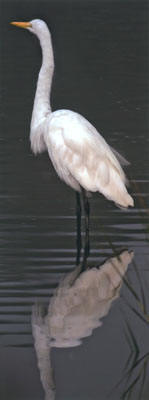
x: 82, y: 157
x: 92, y: 157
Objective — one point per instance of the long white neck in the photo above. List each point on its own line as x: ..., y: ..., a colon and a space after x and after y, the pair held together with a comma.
x: 42, y: 97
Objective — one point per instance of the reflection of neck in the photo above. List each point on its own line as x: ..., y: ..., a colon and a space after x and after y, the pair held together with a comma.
x: 42, y: 347
x: 42, y: 97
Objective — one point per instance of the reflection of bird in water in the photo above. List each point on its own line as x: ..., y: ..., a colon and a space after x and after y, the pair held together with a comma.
x: 80, y: 155
x: 80, y: 302
x: 78, y: 305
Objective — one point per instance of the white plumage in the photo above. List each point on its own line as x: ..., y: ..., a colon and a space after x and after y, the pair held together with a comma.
x: 80, y: 155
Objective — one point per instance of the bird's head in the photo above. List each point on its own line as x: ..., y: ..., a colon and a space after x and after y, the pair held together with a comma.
x: 36, y: 26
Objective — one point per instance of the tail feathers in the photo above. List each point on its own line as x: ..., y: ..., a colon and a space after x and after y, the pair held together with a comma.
x: 125, y: 201
x: 119, y: 195
x: 115, y: 189
x: 130, y: 202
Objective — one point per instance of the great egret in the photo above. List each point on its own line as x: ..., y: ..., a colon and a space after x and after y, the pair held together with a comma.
x: 80, y: 155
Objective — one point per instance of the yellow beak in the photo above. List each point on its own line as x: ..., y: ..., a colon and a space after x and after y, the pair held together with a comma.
x: 22, y: 24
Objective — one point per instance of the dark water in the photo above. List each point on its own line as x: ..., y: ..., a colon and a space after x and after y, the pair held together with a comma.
x: 101, y: 56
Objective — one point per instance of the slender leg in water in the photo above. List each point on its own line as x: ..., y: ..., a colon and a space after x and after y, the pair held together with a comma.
x: 87, y: 214
x: 79, y: 239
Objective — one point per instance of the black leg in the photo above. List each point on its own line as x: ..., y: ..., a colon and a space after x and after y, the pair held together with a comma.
x: 79, y: 239
x: 87, y: 214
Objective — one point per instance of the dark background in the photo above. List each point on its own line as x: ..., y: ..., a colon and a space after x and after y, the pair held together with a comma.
x: 101, y: 58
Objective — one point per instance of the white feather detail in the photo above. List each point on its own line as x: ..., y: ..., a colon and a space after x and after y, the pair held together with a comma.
x: 82, y: 157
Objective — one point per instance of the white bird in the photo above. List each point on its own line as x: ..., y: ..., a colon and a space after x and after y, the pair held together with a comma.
x: 80, y: 155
